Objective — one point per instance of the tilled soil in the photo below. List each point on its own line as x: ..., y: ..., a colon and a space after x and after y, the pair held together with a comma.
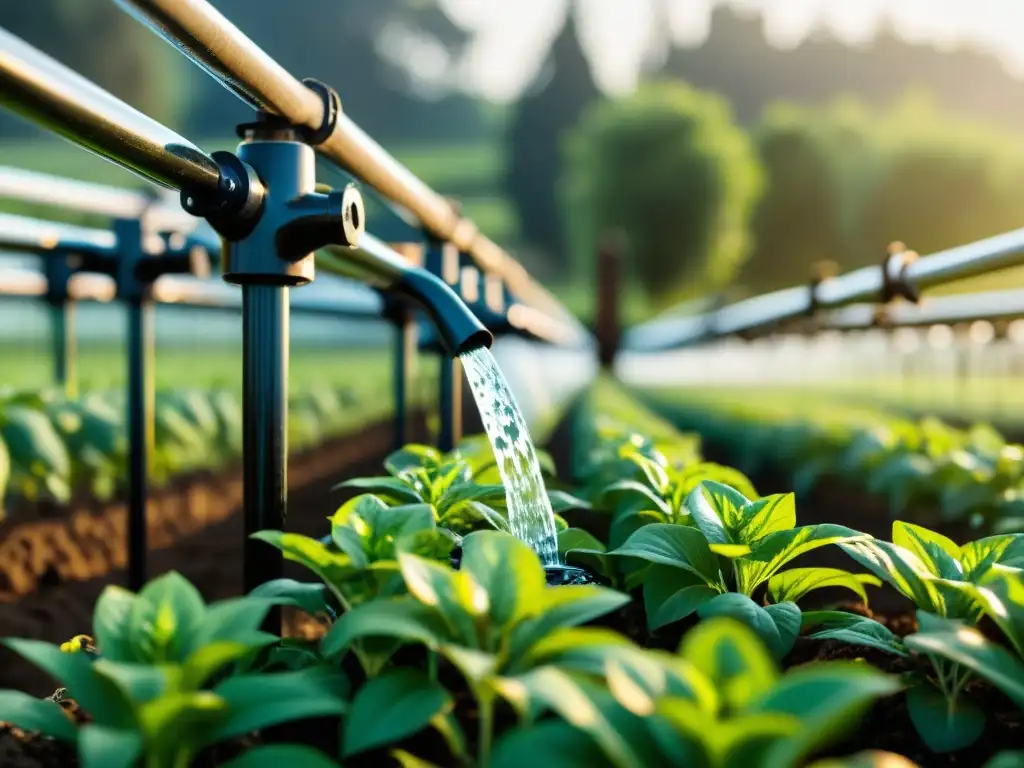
x: 209, y: 558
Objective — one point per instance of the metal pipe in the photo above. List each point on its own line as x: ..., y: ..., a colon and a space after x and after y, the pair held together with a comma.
x: 376, y: 264
x: 265, y: 408
x: 49, y: 94
x: 87, y: 197
x: 449, y: 403
x: 203, y: 34
x: 141, y: 341
x: 861, y: 285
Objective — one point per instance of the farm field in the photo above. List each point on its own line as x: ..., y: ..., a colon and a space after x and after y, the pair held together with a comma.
x: 835, y: 632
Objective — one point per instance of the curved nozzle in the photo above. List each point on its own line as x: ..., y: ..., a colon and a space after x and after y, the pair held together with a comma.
x: 459, y: 329
x: 376, y: 264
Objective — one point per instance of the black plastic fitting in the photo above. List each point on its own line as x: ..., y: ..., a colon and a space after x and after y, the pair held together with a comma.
x: 332, y: 111
x: 894, y: 275
x: 459, y: 330
x: 235, y: 208
x: 294, y: 221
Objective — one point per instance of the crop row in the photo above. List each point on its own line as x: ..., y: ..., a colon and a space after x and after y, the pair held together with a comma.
x: 52, y: 447
x: 704, y: 645
x: 926, y: 469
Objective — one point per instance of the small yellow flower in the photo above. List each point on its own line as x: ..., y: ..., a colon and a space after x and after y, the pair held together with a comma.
x: 76, y: 644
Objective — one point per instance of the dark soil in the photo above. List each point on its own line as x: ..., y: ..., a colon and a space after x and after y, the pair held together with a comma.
x: 210, y: 558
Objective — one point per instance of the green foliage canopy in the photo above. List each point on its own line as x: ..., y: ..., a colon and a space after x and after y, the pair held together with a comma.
x: 668, y: 167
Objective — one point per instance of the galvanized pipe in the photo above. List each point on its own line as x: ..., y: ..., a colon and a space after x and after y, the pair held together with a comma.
x: 55, y: 97
x: 861, y: 285
x: 203, y: 34
x: 87, y: 197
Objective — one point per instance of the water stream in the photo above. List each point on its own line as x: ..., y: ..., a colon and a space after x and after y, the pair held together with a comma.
x: 529, y: 511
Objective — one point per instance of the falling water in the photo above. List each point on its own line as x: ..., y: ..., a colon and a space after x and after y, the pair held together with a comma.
x: 529, y: 511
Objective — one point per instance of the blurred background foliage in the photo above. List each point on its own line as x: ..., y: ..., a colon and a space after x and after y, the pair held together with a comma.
x: 735, y: 162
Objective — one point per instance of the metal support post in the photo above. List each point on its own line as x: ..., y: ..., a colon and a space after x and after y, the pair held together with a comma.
x: 62, y: 322
x: 404, y: 350
x: 140, y: 396
x: 442, y: 260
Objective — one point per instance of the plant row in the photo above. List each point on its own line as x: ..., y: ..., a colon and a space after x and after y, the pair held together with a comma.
x: 927, y: 470
x: 424, y: 664
x: 52, y: 447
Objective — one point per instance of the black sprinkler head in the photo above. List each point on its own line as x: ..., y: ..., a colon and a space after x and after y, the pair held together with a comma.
x: 458, y: 328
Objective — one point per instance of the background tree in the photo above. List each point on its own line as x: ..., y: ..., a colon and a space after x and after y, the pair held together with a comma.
x: 551, y: 107
x: 670, y: 168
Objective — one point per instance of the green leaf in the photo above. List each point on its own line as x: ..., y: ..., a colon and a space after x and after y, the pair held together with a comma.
x: 563, y: 502
x: 626, y: 524
x: 391, y: 489
x: 455, y: 595
x: 100, y: 746
x: 391, y: 707
x: 577, y: 538
x: 111, y: 623
x: 969, y: 648
x: 776, y: 549
x: 943, y: 725
x: 898, y: 567
x: 412, y: 456
x: 1007, y: 759
x: 562, y: 746
x: 828, y: 698
x: 778, y: 639
x: 403, y: 618
x: 213, y: 657
x: 331, y: 567
x: 138, y: 683
x: 767, y: 515
x: 282, y: 756
x: 675, y: 545
x: 310, y: 597
x: 671, y: 594
x: 97, y: 695
x: 794, y: 584
x: 409, y: 760
x: 180, y: 720
x: 508, y: 570
x: 1002, y: 598
x: 36, y: 715
x: 726, y: 742
x: 583, y: 705
x: 639, y: 497
x: 235, y: 620
x: 853, y: 629
x: 463, y: 492
x: 1004, y: 549
x: 710, y: 505
x: 561, y: 607
x: 164, y: 617
x: 939, y: 554
x: 260, y: 700
x: 732, y: 657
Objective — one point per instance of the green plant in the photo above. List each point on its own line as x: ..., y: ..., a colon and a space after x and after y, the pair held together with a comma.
x: 720, y: 702
x: 733, y: 546
x: 952, y: 587
x: 485, y: 619
x: 162, y: 687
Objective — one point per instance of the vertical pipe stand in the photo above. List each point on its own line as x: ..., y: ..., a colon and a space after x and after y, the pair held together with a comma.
x: 442, y: 260
x: 265, y: 325
x: 62, y: 322
x: 140, y: 400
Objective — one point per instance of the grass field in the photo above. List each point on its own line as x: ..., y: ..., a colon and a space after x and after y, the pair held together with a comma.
x: 996, y: 399
x: 104, y: 367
